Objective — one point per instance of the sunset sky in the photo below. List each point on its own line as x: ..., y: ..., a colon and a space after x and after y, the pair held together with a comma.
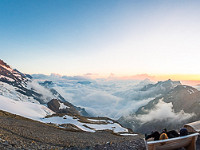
x: 124, y: 37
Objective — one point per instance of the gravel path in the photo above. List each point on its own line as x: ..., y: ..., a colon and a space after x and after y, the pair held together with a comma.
x: 21, y: 133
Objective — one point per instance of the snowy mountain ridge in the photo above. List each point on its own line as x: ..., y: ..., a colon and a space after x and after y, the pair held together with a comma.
x: 22, y: 87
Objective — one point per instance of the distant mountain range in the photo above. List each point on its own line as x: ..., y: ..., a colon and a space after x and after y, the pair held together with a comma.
x: 148, y: 90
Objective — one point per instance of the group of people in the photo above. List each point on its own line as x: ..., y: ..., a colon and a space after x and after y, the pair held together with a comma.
x: 166, y: 134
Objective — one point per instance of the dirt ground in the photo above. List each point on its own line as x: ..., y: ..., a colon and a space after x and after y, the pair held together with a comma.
x: 21, y: 133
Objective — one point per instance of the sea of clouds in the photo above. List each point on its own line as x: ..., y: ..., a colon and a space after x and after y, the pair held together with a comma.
x: 112, y: 98
x: 101, y: 97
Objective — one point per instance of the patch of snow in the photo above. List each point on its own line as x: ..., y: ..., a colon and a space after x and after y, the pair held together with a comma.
x: 190, y: 91
x: 128, y: 134
x: 84, y: 126
x: 115, y: 127
x: 66, y: 120
x: 63, y: 106
x: 106, y: 121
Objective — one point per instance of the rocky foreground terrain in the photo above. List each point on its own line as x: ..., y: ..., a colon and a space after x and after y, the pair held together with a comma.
x: 17, y: 132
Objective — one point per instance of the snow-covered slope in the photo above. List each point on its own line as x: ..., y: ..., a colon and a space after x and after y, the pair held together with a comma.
x: 21, y: 87
x: 32, y: 92
x: 25, y: 109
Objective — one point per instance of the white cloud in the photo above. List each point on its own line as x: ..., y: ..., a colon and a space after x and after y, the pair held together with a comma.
x: 111, y: 98
x: 163, y: 111
x: 99, y: 98
x: 47, y: 95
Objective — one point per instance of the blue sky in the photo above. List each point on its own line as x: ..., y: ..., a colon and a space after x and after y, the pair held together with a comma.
x: 124, y: 37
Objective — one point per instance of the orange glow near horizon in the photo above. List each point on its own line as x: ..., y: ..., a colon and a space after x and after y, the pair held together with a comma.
x: 189, y: 79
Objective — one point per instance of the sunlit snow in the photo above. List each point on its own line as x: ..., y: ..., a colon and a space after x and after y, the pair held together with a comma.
x: 26, y: 109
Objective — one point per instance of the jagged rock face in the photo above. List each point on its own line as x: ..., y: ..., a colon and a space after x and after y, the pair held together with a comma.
x: 17, y: 79
x: 184, y: 98
x: 11, y: 76
x: 62, y: 107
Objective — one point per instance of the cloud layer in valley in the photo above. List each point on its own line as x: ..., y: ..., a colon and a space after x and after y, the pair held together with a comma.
x: 101, y: 97
x: 163, y: 111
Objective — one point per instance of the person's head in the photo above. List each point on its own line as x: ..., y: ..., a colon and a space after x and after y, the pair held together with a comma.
x: 183, y: 132
x: 163, y: 136
x: 164, y: 130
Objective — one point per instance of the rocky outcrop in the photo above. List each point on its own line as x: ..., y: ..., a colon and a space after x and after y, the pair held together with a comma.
x: 62, y: 107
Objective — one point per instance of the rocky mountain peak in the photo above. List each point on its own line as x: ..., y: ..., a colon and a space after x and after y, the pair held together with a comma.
x: 167, y: 85
x: 2, y: 63
x: 169, y: 82
x: 11, y: 76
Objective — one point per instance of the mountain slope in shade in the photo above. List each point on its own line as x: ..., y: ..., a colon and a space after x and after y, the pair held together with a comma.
x: 170, y: 110
x: 182, y: 97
